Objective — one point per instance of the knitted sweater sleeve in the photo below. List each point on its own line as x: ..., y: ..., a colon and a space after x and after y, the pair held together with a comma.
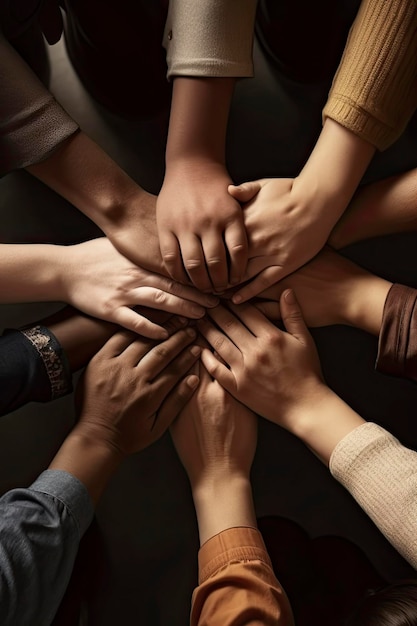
x: 374, y: 92
x: 32, y: 123
x: 381, y: 474
x: 210, y: 38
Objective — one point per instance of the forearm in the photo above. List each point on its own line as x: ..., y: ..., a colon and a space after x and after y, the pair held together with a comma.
x: 31, y: 272
x: 198, y: 121
x: 86, y: 176
x: 323, y: 421
x: 386, y: 207
x: 84, y: 456
x: 223, y: 503
x: 333, y: 171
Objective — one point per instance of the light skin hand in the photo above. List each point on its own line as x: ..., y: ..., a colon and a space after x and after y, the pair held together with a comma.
x: 128, y: 396
x: 332, y: 290
x: 283, y: 368
x: 265, y: 368
x: 283, y: 232
x: 215, y: 438
x: 201, y: 226
x: 99, y: 281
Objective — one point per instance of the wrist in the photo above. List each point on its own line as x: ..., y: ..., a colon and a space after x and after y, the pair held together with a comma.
x: 365, y: 303
x: 89, y: 458
x: 324, y: 421
x: 223, y: 502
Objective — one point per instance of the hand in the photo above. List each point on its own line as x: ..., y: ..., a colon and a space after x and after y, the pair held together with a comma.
x: 133, y: 389
x: 274, y: 373
x: 99, y: 281
x: 283, y: 230
x: 332, y: 290
x: 201, y: 226
x: 215, y: 436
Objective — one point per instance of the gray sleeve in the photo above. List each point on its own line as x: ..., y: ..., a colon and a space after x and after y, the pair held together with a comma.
x: 40, y: 530
x: 210, y: 38
x: 32, y: 123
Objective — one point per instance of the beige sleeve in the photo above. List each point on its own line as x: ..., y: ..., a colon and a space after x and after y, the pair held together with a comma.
x: 374, y: 92
x: 32, y: 123
x: 210, y: 38
x: 381, y: 474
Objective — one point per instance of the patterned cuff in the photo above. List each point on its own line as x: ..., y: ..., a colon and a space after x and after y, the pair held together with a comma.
x: 53, y: 358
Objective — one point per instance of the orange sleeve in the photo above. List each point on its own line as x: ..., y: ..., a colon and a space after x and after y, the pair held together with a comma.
x: 237, y: 583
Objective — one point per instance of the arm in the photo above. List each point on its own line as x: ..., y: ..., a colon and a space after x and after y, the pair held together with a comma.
x: 285, y: 371
x: 215, y: 438
x: 209, y: 45
x: 96, y: 279
x: 372, y: 98
x: 41, y: 526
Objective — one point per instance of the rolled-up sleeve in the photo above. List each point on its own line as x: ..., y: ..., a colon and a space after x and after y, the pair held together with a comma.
x: 32, y: 123
x: 210, y: 38
x: 40, y: 531
x: 374, y: 92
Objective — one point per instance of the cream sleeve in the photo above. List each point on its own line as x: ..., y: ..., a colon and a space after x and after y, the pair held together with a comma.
x: 381, y: 474
x: 374, y: 92
x: 210, y: 38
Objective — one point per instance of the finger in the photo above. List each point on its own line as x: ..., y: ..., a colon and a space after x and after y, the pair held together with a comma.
x: 171, y: 256
x: 218, y: 371
x: 159, y: 299
x: 237, y: 245
x: 160, y: 356
x: 126, y: 317
x: 252, y: 318
x: 261, y: 282
x: 174, y: 403
x: 245, y: 191
x: 269, y: 308
x: 194, y: 262
x: 172, y: 373
x: 228, y: 351
x: 117, y: 344
x: 293, y: 318
x: 182, y: 291
x: 216, y: 260
x: 231, y: 325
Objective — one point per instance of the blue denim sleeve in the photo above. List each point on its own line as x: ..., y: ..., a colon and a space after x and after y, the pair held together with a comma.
x: 40, y: 531
x: 33, y: 367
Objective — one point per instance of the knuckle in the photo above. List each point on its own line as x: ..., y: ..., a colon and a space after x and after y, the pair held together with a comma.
x: 193, y: 264
x: 213, y: 261
x: 159, y: 296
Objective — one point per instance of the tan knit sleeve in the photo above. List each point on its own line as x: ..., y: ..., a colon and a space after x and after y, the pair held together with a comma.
x: 210, y: 37
x: 381, y: 474
x: 374, y: 92
x: 32, y: 123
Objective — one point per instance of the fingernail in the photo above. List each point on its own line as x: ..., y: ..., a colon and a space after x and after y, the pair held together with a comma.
x: 289, y: 297
x: 212, y: 301
x: 198, y: 311
x: 195, y: 350
x: 192, y: 381
x: 237, y: 299
x: 190, y: 332
x: 182, y: 320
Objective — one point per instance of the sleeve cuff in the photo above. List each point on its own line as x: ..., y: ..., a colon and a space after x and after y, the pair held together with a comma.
x: 71, y: 492
x: 397, y: 345
x: 234, y: 544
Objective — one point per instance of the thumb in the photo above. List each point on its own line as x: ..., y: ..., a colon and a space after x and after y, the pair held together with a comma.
x: 245, y: 191
x: 292, y: 317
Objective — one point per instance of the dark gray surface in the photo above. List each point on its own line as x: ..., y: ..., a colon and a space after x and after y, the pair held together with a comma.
x: 146, y: 516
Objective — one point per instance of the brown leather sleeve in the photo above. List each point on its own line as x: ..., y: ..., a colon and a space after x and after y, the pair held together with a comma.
x: 397, y: 349
x: 32, y: 123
